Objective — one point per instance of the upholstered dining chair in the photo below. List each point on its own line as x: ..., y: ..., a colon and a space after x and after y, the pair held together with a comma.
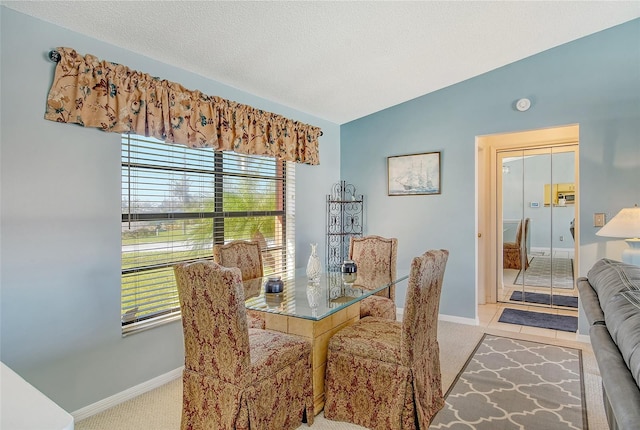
x: 383, y: 374
x: 247, y: 256
x: 237, y: 377
x: 376, y: 258
x: 514, y: 253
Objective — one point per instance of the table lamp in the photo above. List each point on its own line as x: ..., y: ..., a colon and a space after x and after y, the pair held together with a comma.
x: 626, y: 224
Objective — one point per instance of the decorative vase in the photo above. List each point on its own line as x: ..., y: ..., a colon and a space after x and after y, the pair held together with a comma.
x: 274, y: 300
x: 314, y: 267
x: 274, y: 285
x: 349, y: 271
x: 313, y: 295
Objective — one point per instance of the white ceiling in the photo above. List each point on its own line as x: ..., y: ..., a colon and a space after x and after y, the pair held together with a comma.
x: 335, y: 60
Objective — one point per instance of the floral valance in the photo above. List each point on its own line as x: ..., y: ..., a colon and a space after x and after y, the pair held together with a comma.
x: 114, y: 98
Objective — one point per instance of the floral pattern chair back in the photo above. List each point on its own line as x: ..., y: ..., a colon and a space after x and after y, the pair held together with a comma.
x: 385, y: 375
x: 419, y: 347
x: 247, y: 256
x: 376, y: 258
x: 244, y: 254
x: 212, y: 296
x: 236, y: 377
x: 515, y: 252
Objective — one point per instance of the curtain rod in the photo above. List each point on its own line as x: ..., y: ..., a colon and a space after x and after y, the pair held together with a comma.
x: 55, y: 56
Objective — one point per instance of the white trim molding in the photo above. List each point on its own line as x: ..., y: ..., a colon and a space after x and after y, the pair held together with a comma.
x: 441, y: 317
x: 459, y: 320
x: 128, y: 394
x: 583, y: 338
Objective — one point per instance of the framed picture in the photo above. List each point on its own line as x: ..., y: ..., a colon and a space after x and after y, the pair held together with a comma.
x: 414, y: 174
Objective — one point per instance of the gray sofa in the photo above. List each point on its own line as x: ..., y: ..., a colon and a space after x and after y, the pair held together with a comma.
x: 610, y: 297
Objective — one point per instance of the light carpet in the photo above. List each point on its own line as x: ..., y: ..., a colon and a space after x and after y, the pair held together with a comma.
x: 160, y: 409
x: 543, y: 271
x: 516, y: 384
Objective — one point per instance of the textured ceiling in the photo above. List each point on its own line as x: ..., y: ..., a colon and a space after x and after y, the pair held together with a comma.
x: 335, y: 60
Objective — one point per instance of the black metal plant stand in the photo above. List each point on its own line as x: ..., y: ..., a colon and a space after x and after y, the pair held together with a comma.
x: 345, y: 215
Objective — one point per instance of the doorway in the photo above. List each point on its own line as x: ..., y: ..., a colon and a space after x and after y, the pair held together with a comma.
x: 497, y: 225
x: 535, y: 218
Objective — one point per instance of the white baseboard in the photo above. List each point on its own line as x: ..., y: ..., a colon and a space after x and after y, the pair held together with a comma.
x: 583, y: 338
x: 441, y: 317
x: 459, y: 320
x: 125, y: 395
x: 570, y: 251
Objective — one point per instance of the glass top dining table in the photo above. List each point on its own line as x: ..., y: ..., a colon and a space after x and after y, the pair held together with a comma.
x: 303, y: 298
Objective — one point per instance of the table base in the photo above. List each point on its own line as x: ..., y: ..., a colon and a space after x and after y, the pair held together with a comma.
x: 318, y: 333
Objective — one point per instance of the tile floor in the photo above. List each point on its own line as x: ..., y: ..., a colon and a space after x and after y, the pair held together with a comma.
x: 489, y: 314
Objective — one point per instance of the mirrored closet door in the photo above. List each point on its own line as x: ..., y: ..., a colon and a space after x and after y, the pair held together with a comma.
x: 536, y: 213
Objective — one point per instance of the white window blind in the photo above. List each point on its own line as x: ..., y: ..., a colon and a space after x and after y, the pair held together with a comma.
x: 178, y: 201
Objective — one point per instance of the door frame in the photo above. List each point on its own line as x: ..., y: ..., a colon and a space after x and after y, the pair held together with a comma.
x: 487, y: 200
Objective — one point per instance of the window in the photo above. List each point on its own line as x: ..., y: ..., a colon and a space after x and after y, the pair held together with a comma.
x: 178, y: 201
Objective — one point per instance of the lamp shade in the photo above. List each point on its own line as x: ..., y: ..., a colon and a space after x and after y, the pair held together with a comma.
x: 626, y: 224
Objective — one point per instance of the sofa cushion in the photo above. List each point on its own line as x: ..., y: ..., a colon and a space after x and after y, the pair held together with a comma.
x: 632, y: 296
x: 618, y: 287
x: 609, y: 277
x: 623, y: 323
x: 617, y: 381
x: 616, y: 343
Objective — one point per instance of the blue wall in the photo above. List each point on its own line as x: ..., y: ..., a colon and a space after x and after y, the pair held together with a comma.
x: 60, y: 191
x: 60, y: 226
x: 594, y: 82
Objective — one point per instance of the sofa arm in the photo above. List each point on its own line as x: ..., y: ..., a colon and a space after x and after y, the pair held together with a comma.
x: 622, y: 391
x: 590, y: 302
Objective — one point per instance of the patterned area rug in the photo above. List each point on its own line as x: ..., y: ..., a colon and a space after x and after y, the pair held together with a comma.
x: 516, y: 384
x: 539, y: 274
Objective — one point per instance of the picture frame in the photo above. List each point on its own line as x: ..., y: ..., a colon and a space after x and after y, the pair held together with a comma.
x: 413, y: 174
